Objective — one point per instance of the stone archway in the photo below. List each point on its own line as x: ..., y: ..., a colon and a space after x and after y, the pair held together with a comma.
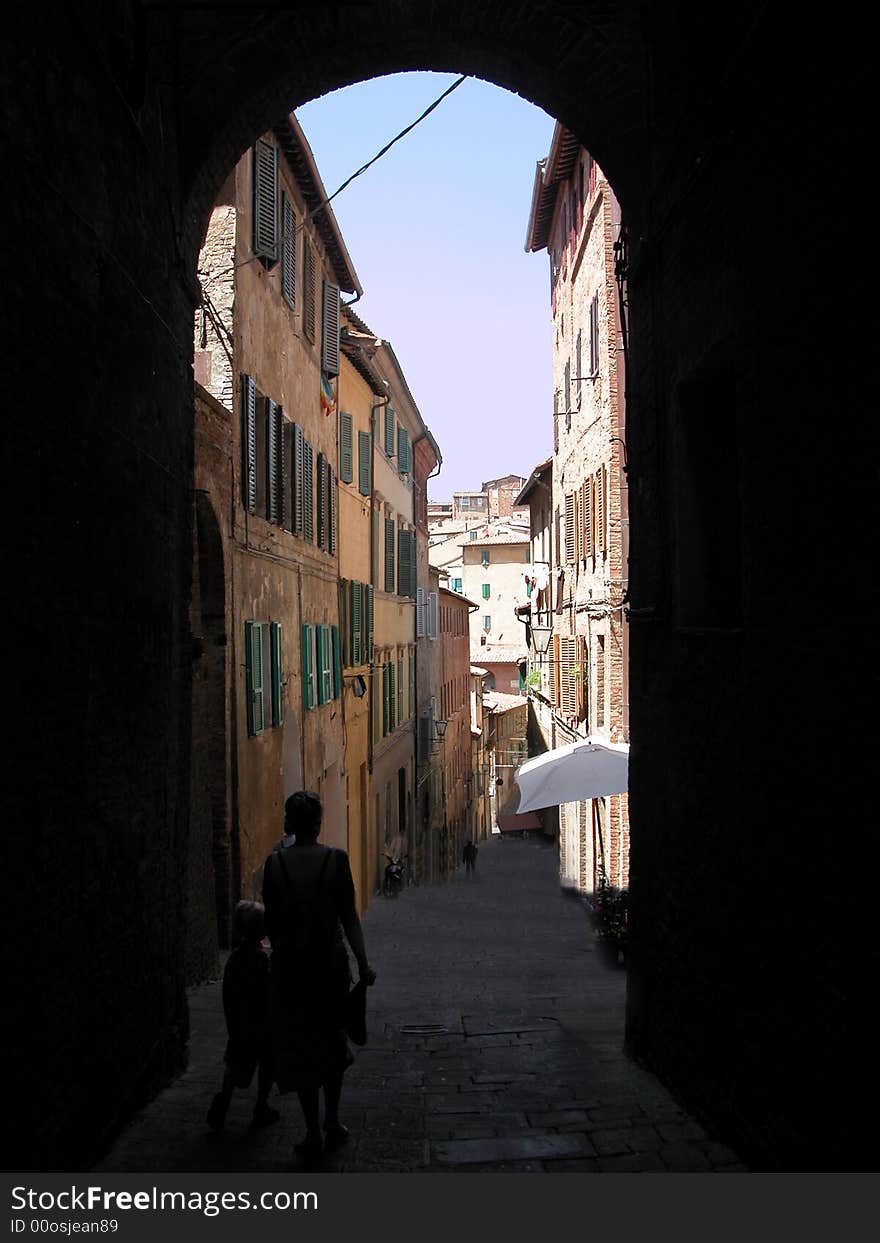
x: 737, y: 156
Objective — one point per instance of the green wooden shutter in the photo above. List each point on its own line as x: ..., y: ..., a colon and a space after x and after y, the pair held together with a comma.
x: 308, y: 491
x: 277, y: 674
x: 274, y: 482
x: 365, y: 463
x: 337, y: 662
x: 356, y: 594
x: 385, y: 668
x: 389, y: 554
x: 368, y: 611
x: 249, y: 444
x: 487, y: 590
x: 392, y: 724
x: 389, y: 431
x: 402, y: 562
x: 321, y: 507
x: 297, y: 476
x: 253, y: 647
x: 403, y: 450
x: 265, y: 200
x: 346, y: 448
x: 309, y: 285
x: 331, y: 511
x: 412, y: 681
x: 288, y: 251
x: 330, y: 329
x: 400, y: 690
x: 286, y: 472
x: 308, y: 665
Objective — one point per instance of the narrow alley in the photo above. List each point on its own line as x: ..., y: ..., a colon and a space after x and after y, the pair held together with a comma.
x: 495, y: 1044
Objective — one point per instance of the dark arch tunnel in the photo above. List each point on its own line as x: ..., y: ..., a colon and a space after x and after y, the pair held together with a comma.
x: 739, y: 182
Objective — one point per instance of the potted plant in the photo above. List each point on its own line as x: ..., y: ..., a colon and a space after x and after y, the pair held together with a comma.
x: 608, y: 910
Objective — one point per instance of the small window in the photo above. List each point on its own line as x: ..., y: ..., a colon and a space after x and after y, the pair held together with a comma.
x: 266, y: 202
x: 253, y: 640
x: 487, y: 590
x: 487, y: 622
x: 594, y: 335
x: 473, y: 534
x: 456, y: 585
x: 484, y: 557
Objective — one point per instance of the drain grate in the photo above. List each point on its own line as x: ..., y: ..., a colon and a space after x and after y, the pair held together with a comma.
x: 423, y: 1029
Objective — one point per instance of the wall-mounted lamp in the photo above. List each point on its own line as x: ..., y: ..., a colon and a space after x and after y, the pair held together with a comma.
x: 359, y: 686
x: 440, y: 728
x: 541, y: 636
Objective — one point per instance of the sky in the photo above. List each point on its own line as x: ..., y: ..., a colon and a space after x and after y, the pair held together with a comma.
x: 436, y: 231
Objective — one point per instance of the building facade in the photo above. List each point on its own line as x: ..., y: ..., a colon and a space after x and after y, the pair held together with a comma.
x: 454, y: 707
x: 583, y: 689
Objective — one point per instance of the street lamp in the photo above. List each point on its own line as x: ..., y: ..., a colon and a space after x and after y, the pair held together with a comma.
x: 440, y: 728
x: 542, y: 633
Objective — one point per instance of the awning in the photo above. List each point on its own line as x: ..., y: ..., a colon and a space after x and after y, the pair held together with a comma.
x: 588, y: 768
x: 513, y: 823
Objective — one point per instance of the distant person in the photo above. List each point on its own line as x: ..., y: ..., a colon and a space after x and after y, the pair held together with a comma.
x: 246, y: 1008
x: 469, y: 855
x: 309, y: 896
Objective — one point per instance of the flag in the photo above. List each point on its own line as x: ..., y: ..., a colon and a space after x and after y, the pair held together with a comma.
x: 328, y: 397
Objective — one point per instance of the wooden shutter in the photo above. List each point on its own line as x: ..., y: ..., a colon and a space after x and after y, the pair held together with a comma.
x: 346, y: 447
x: 567, y: 382
x: 600, y: 509
x: 322, y: 502
x: 587, y: 517
x: 331, y: 511
x: 594, y: 335
x: 330, y: 329
x: 249, y: 443
x: 403, y: 450
x: 389, y: 431
x: 277, y: 673
x: 385, y: 667
x: 308, y: 491
x: 403, y: 573
x: 287, y: 472
x: 253, y: 647
x: 368, y: 611
x: 420, y: 613
x: 298, y: 480
x: 389, y: 554
x: 356, y: 622
x: 432, y: 614
x: 553, y: 671
x: 265, y: 201
x: 570, y: 545
x: 337, y: 661
x: 365, y: 463
x: 288, y: 251
x: 309, y: 289
x: 392, y: 719
x: 568, y: 676
x: 325, y: 664
x: 308, y: 665
x: 274, y: 449
x: 600, y: 679
x: 413, y: 564
x: 400, y: 685
x: 578, y: 361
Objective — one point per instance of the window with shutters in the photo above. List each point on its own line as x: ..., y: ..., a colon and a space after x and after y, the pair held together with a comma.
x: 571, y: 675
x: 403, y: 562
x: 346, y: 447
x: 298, y: 480
x: 389, y: 431
x: 553, y: 669
x: 420, y: 613
x: 288, y: 251
x: 487, y: 622
x: 484, y: 557
x: 385, y: 684
x: 403, y: 451
x: 365, y: 463
x: 274, y: 462
x: 309, y: 289
x: 277, y: 673
x: 390, y: 529
x: 330, y: 329
x: 356, y: 622
x: 308, y: 492
x: 411, y: 683
x: 309, y: 663
x: 577, y: 370
x: 456, y: 585
x: 336, y: 657
x: 601, y: 516
x: 253, y: 649
x: 332, y: 531
x: 321, y: 507
x: 249, y: 444
x: 594, y: 335
x: 587, y: 518
x: 324, y: 672
x: 567, y: 395
x: 265, y: 202
x: 600, y: 679
x: 432, y: 614
x: 570, y: 536
x: 487, y: 590
x: 368, y: 612
x: 401, y: 686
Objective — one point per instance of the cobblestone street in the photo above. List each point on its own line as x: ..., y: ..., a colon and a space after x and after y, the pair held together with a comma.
x: 495, y: 1043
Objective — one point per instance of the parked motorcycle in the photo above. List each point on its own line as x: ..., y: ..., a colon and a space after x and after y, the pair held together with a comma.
x: 393, y: 880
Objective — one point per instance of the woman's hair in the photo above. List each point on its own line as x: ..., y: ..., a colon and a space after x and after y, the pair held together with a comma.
x: 302, y: 814
x: 248, y: 922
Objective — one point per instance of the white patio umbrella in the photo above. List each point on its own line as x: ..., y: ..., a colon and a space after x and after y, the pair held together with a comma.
x: 590, y: 768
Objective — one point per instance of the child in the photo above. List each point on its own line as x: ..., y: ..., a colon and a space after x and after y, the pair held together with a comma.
x: 246, y: 1006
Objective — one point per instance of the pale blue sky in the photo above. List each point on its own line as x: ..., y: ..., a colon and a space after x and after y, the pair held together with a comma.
x: 436, y: 230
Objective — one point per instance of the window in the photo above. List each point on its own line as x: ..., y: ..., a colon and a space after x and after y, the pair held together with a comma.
x: 487, y: 621
x: 365, y: 463
x: 309, y: 289
x: 456, y: 585
x: 587, y: 541
x: 330, y: 329
x: 321, y: 665
x: 389, y: 431
x: 577, y: 370
x: 277, y: 671
x: 567, y: 383
x: 487, y: 590
x: 570, y: 530
x: 420, y: 612
x: 265, y: 202
x: 432, y: 614
x: 253, y: 647
x: 308, y: 491
x: 249, y: 444
x: 594, y: 335
x: 403, y: 463
x: 600, y: 679
x: 346, y: 447
x: 484, y: 557
x: 307, y: 641
x: 288, y: 252
x: 404, y: 562
x: 473, y: 534
x: 356, y: 620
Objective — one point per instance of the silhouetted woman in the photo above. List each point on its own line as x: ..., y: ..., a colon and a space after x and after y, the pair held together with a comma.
x: 308, y: 893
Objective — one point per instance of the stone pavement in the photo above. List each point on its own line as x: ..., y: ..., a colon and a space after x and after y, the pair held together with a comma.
x: 495, y: 1043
